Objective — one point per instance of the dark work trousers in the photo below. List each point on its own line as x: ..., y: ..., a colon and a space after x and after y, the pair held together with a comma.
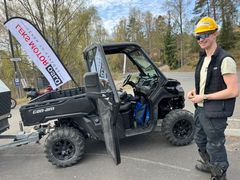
x: 210, y: 137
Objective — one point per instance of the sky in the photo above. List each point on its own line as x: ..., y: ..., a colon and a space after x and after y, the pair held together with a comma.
x: 111, y: 11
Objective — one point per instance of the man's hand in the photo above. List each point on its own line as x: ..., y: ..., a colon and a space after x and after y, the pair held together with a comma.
x: 197, y: 98
x: 194, y: 97
x: 191, y: 94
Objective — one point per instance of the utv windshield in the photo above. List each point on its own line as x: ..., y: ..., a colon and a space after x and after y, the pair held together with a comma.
x: 141, y: 61
x: 134, y: 53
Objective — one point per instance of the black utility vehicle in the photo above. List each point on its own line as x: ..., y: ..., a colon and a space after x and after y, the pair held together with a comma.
x: 5, y: 106
x: 101, y: 111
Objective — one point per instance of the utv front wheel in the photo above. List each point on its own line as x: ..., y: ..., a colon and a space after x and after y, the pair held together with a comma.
x: 64, y: 146
x: 178, y: 127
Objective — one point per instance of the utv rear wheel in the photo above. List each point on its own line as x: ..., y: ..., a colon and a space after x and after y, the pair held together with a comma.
x: 178, y: 127
x: 64, y: 146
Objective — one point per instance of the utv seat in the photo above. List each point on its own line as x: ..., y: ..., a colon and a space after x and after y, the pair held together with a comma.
x: 125, y: 107
x: 93, y: 86
x: 127, y: 101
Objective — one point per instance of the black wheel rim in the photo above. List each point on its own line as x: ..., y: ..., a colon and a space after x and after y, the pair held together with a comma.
x: 182, y: 129
x: 63, y: 149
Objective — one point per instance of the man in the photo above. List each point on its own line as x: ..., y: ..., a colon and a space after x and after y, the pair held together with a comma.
x: 216, y: 89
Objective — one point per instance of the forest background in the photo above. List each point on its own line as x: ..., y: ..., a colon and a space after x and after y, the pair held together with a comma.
x: 71, y: 25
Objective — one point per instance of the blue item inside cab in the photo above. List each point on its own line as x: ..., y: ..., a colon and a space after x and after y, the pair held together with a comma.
x: 141, y: 113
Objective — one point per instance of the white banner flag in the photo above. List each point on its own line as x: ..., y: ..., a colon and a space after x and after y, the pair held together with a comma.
x: 39, y: 51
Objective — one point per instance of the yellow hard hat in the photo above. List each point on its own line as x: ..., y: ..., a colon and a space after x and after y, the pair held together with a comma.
x: 206, y: 24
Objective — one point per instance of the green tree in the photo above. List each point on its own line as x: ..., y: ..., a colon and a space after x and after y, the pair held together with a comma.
x: 202, y: 8
x: 135, y: 26
x: 178, y: 9
x: 158, y: 35
x: 68, y: 25
x: 148, y: 29
x: 6, y: 69
x: 170, y: 48
x: 227, y: 35
x: 120, y: 31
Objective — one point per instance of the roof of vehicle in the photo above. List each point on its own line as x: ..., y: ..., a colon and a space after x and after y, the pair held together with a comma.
x: 118, y: 47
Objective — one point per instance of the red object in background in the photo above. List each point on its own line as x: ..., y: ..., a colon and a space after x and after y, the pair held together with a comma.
x: 33, y: 93
x: 44, y: 90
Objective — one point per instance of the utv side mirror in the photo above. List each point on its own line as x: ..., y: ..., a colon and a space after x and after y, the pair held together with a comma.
x: 92, y: 84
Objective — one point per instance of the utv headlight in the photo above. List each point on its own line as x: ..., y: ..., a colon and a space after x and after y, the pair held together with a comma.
x: 179, y: 89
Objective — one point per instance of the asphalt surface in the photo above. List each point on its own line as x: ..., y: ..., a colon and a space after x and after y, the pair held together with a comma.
x: 143, y: 157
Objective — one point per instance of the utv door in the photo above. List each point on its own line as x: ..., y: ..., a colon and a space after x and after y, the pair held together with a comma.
x: 107, y: 100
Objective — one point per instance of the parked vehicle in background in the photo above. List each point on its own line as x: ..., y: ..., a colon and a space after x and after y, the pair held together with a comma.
x: 21, y: 138
x: 5, y: 106
x: 32, y: 93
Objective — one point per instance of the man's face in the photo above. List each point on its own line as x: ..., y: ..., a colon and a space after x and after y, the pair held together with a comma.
x: 206, y: 40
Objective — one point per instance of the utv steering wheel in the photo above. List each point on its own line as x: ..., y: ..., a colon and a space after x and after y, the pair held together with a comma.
x: 126, y: 81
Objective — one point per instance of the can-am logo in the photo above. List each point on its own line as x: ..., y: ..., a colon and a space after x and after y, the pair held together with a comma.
x: 37, y: 111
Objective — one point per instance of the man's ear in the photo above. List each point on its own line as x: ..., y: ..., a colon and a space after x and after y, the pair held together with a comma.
x: 216, y: 33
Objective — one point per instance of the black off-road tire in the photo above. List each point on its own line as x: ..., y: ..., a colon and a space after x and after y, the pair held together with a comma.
x: 64, y: 146
x: 178, y: 127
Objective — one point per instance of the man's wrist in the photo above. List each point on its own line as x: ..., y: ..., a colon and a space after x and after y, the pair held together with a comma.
x: 205, y: 97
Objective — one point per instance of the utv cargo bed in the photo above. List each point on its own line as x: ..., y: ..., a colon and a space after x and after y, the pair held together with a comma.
x: 56, y: 104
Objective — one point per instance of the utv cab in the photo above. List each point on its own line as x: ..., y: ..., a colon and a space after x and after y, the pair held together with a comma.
x: 154, y: 97
x: 103, y: 110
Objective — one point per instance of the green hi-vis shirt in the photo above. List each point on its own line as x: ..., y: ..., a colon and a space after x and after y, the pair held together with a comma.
x: 228, y: 67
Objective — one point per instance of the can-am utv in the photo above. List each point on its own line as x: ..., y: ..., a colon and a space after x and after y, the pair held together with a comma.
x: 102, y: 111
